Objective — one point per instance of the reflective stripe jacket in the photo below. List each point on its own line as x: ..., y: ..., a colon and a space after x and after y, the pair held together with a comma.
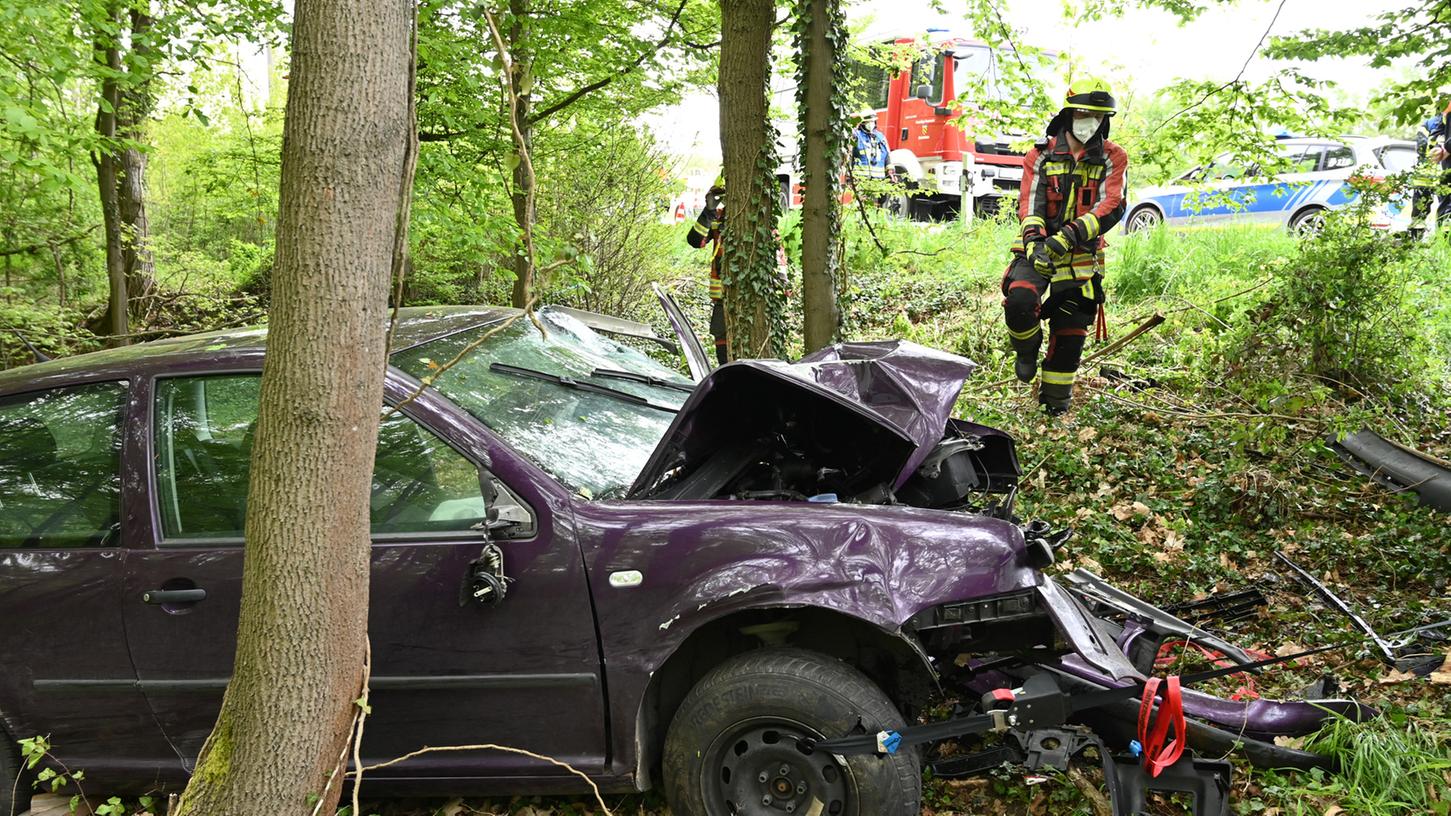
x: 706, y: 230
x: 870, y: 152
x: 1081, y: 197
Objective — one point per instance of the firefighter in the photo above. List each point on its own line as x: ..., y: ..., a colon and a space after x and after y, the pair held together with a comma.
x: 1431, y: 150
x: 1073, y: 191
x: 707, y: 231
x: 870, y: 152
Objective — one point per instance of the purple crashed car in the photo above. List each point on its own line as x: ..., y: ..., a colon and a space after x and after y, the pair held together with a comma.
x: 576, y: 551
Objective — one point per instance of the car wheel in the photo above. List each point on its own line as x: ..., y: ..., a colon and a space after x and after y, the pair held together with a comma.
x: 1144, y: 218
x: 14, y: 791
x: 1308, y: 222
x: 734, y: 747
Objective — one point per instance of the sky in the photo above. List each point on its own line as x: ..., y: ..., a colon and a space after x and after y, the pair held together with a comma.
x: 1143, y: 49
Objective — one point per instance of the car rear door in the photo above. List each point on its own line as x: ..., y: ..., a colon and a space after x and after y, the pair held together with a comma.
x: 446, y: 670
x: 66, y: 672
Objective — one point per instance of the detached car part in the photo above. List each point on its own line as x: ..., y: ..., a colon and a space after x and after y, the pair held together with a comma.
x: 1395, y: 467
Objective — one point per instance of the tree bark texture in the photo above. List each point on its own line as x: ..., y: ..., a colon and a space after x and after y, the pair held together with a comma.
x: 108, y: 54
x: 287, y: 712
x: 136, y: 103
x: 522, y: 104
x: 821, y: 163
x: 742, y: 84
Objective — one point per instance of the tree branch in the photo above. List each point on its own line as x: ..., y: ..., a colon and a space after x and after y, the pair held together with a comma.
x: 36, y: 247
x: 1237, y: 76
x: 581, y: 92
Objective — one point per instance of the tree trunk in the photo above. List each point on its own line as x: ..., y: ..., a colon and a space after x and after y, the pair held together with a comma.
x: 301, y: 634
x: 821, y: 165
x: 108, y: 54
x: 135, y: 105
x: 745, y: 70
x: 523, y: 195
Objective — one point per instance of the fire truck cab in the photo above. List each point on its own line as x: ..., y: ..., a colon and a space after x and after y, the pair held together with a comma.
x: 943, y: 167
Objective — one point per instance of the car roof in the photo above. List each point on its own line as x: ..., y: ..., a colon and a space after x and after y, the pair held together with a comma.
x: 416, y: 325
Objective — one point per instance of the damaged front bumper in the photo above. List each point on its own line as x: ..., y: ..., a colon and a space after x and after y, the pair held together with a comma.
x: 1104, y: 639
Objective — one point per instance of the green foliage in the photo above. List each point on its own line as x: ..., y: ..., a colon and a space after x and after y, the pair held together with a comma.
x: 1169, y: 264
x: 1390, y: 765
x: 1349, y: 310
x: 602, y: 211
x: 1419, y: 31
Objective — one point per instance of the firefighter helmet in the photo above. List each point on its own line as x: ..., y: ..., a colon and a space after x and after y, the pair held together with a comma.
x: 1090, y: 94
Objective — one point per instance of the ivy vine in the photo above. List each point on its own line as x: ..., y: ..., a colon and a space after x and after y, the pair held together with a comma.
x: 756, y: 292
x: 838, y: 129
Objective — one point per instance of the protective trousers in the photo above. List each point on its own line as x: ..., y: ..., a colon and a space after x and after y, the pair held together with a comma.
x: 1421, y: 203
x: 1070, y: 308
x: 718, y: 330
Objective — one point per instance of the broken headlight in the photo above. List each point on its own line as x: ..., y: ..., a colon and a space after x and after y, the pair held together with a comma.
x: 1007, y: 622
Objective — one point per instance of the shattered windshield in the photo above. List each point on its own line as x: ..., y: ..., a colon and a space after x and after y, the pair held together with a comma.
x: 569, y: 410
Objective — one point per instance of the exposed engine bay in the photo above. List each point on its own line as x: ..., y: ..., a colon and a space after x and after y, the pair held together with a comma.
x: 853, y: 423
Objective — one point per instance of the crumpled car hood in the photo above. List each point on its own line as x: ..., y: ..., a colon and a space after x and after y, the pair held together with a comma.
x: 889, y: 399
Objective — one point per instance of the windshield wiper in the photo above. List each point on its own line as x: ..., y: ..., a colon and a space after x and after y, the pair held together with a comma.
x: 570, y: 382
x: 658, y: 382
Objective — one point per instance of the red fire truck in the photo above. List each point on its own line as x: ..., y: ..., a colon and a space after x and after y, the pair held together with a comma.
x: 940, y: 163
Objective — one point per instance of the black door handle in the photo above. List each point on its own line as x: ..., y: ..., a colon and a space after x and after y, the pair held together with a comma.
x: 173, y: 596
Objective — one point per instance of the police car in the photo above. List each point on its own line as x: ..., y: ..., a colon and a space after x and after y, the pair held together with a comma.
x: 1224, y: 191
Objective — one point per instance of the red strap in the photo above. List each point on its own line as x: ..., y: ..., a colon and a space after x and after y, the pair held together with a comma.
x: 1101, y: 335
x: 1160, y: 749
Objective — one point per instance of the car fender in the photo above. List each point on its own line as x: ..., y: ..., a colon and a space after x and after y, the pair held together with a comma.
x: 661, y: 570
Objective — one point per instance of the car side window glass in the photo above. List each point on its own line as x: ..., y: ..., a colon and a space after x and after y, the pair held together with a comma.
x: 1224, y: 168
x: 1397, y: 159
x: 421, y: 484
x: 1297, y: 160
x: 1338, y: 158
x: 204, y: 433
x: 60, y: 478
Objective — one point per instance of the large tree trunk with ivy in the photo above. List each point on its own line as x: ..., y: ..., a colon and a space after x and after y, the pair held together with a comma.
x: 520, y: 83
x: 752, y: 291
x: 820, y: 76
x: 301, y: 637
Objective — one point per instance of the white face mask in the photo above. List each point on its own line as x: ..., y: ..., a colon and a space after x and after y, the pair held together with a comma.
x: 1084, y: 129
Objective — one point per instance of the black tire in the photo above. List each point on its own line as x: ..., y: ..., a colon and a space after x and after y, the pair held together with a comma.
x: 1308, y: 222
x: 14, y: 790
x: 1143, y: 217
x: 740, y: 725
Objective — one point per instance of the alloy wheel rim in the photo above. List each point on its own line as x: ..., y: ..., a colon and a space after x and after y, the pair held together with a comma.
x: 761, y: 767
x: 1145, y: 220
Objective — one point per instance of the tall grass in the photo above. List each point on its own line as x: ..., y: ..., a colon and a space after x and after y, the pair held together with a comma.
x: 1386, y: 769
x: 1191, y: 264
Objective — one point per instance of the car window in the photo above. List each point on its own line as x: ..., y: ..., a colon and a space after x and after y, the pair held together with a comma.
x: 593, y: 433
x: 1311, y: 159
x: 1338, y: 158
x: 1224, y: 168
x: 60, y: 479
x: 204, y: 432
x: 929, y: 71
x: 1397, y: 159
x: 1297, y: 160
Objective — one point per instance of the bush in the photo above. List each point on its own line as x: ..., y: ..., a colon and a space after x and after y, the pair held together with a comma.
x: 1346, y: 310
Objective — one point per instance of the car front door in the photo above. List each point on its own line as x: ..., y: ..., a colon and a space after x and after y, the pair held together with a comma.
x: 446, y: 669
x: 66, y: 673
